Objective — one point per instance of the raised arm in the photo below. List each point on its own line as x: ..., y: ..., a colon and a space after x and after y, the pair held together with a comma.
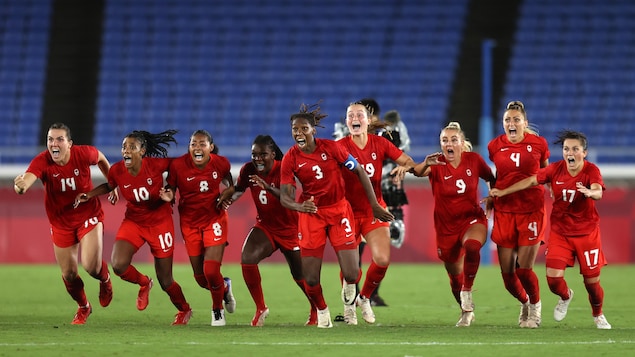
x: 23, y: 182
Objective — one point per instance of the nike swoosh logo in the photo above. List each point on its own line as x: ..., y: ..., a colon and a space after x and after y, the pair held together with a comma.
x: 126, y: 186
x: 348, y: 235
x: 191, y: 178
x: 533, y: 238
x: 559, y: 182
x: 302, y: 164
x: 55, y: 175
x: 216, y: 239
x: 447, y: 177
x: 593, y: 267
x: 504, y: 149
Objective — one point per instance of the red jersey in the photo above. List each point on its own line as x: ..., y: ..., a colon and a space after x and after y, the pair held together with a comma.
x: 455, y: 192
x: 64, y: 183
x: 573, y: 214
x: 318, y: 172
x: 144, y: 206
x: 198, y: 188
x: 515, y: 162
x: 271, y: 214
x: 371, y: 157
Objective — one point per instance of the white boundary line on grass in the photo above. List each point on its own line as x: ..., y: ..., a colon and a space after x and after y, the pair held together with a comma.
x: 430, y: 343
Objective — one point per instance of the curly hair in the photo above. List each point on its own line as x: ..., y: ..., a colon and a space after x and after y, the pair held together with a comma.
x: 311, y: 113
x: 155, y: 144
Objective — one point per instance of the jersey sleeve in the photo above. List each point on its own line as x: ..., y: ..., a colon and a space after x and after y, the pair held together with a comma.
x: 243, y: 179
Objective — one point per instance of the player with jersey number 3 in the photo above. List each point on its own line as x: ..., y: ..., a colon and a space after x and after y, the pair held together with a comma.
x: 575, y: 223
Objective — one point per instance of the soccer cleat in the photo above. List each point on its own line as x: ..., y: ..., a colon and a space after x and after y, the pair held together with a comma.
x: 84, y: 311
x: 259, y: 317
x: 560, y: 311
x: 466, y: 301
x: 313, y: 319
x: 466, y: 319
x: 367, y: 312
x: 350, y: 314
x: 144, y: 296
x: 182, y: 317
x: 534, y: 317
x: 228, y: 298
x: 324, y: 318
x: 601, y: 323
x: 524, y: 314
x: 105, y: 292
x: 218, y: 317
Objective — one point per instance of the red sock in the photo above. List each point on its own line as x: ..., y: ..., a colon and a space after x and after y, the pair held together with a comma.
x: 75, y: 289
x: 251, y: 274
x: 315, y: 293
x: 103, y: 273
x: 202, y: 282
x: 302, y: 284
x: 558, y: 286
x: 215, y: 281
x: 513, y: 285
x: 471, y: 262
x: 529, y: 280
x: 132, y: 275
x: 374, y: 275
x: 456, y: 283
x: 596, y: 297
x: 176, y: 296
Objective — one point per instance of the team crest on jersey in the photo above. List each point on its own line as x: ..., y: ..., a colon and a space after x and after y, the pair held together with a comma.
x: 374, y: 156
x: 528, y: 148
x: 468, y: 172
x: 215, y: 175
x: 323, y: 156
x: 149, y: 180
x: 76, y: 172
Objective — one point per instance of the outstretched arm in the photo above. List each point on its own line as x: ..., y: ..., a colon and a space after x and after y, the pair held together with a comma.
x: 287, y: 199
x: 23, y: 182
x: 520, y: 185
x: 97, y: 191
x: 423, y: 168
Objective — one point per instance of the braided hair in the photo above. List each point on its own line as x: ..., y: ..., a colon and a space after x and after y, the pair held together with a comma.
x: 268, y: 141
x: 311, y: 113
x: 155, y: 144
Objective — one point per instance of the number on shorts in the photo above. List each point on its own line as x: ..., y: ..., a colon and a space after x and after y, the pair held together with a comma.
x: 533, y: 227
x: 166, y: 241
x: 592, y: 256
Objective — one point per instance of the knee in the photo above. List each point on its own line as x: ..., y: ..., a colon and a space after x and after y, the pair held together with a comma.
x: 249, y: 258
x: 70, y: 276
x: 382, y: 260
x: 119, y: 268
x: 311, y: 281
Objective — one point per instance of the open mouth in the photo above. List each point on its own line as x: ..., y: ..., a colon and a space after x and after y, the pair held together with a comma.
x: 260, y: 167
x: 55, y: 153
x: 356, y: 126
x: 570, y: 160
x: 301, y: 142
x: 127, y: 160
x: 198, y: 156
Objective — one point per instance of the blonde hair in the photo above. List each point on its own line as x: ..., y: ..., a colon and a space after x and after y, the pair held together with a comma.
x: 519, y: 106
x: 454, y: 125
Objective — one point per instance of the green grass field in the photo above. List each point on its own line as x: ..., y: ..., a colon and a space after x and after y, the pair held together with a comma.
x: 35, y: 315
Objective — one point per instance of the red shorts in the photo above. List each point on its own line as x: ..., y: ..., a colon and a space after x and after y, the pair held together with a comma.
x: 65, y: 238
x: 288, y: 242
x: 512, y: 230
x: 364, y: 225
x: 587, y: 249
x: 337, y: 220
x: 160, y: 237
x: 450, y: 247
x: 197, y: 239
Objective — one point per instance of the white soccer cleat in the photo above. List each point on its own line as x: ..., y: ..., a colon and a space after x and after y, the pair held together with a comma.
x: 466, y: 301
x: 218, y: 317
x: 524, y: 314
x: 350, y: 314
x: 324, y: 319
x: 228, y: 297
x: 367, y: 311
x: 466, y: 319
x: 601, y: 323
x: 534, y: 318
x: 560, y: 311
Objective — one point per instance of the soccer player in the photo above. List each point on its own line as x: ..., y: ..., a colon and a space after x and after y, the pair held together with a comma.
x: 323, y: 209
x: 198, y: 175
x: 575, y: 223
x: 148, y: 217
x: 276, y: 227
x: 64, y: 169
x: 519, y: 219
x: 459, y: 220
x: 369, y: 151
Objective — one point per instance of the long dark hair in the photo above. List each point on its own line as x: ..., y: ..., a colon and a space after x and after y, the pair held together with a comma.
x: 155, y: 144
x: 268, y: 141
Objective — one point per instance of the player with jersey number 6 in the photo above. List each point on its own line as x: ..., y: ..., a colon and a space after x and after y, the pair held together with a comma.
x: 575, y: 223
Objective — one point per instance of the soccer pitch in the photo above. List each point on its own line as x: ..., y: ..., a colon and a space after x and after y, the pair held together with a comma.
x: 35, y: 315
